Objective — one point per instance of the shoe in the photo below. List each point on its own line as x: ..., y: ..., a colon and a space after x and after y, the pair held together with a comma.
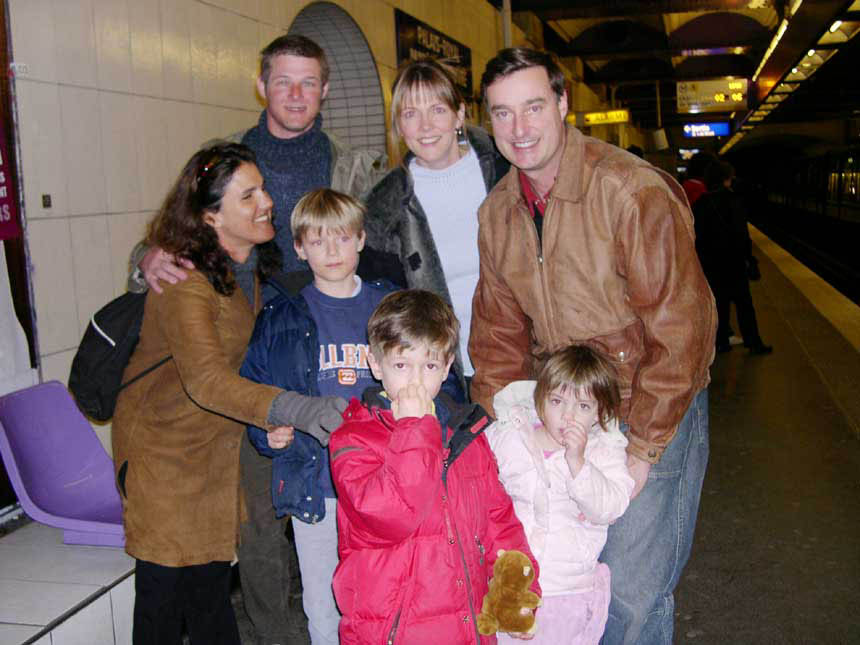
x: 735, y: 340
x: 761, y: 349
x: 723, y: 348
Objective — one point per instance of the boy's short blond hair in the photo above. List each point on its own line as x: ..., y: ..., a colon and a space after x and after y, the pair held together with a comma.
x: 584, y: 370
x: 407, y: 318
x: 325, y: 208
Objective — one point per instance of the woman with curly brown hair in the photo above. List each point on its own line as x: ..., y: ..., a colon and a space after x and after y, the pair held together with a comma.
x: 177, y: 431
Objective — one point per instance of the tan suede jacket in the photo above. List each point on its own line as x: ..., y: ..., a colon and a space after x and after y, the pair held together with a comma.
x: 617, y: 270
x: 177, y: 431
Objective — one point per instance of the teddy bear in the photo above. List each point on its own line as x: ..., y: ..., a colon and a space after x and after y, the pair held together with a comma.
x: 508, y: 594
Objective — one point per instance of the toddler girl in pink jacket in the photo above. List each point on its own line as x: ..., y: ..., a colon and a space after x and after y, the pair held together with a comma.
x: 562, y: 459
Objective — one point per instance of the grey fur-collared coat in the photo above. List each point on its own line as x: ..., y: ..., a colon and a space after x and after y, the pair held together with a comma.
x: 396, y: 223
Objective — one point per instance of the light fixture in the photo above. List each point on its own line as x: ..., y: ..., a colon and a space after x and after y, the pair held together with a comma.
x: 836, y: 25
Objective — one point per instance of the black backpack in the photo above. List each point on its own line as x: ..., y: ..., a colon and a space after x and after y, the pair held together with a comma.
x: 107, y: 345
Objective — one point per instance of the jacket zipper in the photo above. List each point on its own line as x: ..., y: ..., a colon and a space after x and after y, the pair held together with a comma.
x: 393, y: 632
x: 547, y: 302
x: 456, y: 537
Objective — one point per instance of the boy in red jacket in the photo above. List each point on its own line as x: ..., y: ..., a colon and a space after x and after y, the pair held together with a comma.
x: 421, y: 513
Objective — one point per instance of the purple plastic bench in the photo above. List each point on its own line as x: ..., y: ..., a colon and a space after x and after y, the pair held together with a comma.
x: 61, y: 473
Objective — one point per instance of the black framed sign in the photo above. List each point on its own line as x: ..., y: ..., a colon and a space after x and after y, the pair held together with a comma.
x: 416, y: 39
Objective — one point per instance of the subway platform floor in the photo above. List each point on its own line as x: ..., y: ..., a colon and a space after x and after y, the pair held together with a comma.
x: 776, y: 557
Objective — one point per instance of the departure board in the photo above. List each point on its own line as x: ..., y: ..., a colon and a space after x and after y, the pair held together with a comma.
x: 721, y: 95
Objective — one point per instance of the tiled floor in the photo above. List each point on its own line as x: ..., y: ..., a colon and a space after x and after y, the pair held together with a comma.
x: 43, y: 581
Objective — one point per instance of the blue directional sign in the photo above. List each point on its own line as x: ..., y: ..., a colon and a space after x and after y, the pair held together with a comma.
x: 715, y: 129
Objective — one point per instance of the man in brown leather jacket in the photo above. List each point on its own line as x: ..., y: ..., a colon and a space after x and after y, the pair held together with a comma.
x: 583, y: 243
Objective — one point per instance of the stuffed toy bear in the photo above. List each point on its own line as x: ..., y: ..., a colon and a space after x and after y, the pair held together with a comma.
x: 508, y: 594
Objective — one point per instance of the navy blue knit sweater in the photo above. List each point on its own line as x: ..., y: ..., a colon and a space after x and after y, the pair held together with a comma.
x: 290, y: 168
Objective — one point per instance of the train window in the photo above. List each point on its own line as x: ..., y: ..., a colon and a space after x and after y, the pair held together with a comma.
x: 851, y: 179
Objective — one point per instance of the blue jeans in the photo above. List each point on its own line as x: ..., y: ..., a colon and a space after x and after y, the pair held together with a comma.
x: 316, y: 545
x: 647, y: 548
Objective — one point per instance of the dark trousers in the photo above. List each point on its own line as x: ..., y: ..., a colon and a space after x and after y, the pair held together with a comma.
x: 198, y: 594
x: 268, y: 565
x: 735, y: 289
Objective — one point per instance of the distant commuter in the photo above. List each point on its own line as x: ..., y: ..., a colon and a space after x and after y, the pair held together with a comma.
x: 425, y: 211
x: 584, y: 243
x: 725, y: 251
x: 177, y: 431
x: 694, y: 185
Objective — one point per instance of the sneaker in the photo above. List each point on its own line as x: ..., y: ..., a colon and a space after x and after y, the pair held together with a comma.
x: 735, y: 340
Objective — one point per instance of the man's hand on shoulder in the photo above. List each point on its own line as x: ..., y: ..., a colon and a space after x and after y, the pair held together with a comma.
x: 158, y: 265
x: 639, y: 469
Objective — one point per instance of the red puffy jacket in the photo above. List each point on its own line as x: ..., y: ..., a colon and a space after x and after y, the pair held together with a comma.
x: 420, y: 523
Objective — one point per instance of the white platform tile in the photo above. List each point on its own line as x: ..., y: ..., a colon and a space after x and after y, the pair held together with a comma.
x: 146, y: 65
x: 39, y: 129
x: 150, y: 136
x: 38, y: 603
x: 75, y: 42
x: 93, y: 278
x: 17, y: 634
x: 53, y: 283
x: 208, y: 124
x: 56, y: 367
x: 122, y: 604
x: 92, y: 625
x: 80, y: 123
x: 245, y: 91
x: 228, y: 27
x: 122, y: 185
x: 33, y: 38
x: 176, y: 48
x: 113, y: 44
x: 35, y: 534
x: 204, y: 53
x: 182, y: 138
x: 71, y: 565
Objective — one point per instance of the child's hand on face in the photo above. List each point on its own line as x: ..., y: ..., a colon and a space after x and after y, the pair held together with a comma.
x: 280, y: 437
x: 574, y: 438
x: 411, y: 401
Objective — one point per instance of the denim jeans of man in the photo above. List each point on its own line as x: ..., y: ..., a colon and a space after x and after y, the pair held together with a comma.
x: 647, y: 548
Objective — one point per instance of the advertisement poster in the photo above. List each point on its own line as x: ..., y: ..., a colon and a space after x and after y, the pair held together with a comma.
x: 416, y: 39
x: 9, y: 225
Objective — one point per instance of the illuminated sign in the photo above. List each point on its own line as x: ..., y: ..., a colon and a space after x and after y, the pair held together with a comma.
x: 722, y: 95
x: 604, y: 118
x: 687, y: 153
x: 716, y: 129
x: 416, y: 40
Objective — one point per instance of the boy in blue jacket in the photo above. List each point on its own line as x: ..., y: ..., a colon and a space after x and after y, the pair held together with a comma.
x: 312, y: 339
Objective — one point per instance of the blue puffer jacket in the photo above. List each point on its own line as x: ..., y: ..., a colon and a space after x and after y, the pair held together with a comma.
x: 284, y: 351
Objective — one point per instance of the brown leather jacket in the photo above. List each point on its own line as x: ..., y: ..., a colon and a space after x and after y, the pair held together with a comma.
x: 177, y: 431
x: 617, y: 270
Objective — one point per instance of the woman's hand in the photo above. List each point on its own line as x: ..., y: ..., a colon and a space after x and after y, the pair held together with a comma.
x: 280, y: 437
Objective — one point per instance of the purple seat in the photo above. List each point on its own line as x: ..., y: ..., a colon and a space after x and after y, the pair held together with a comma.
x: 61, y: 473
